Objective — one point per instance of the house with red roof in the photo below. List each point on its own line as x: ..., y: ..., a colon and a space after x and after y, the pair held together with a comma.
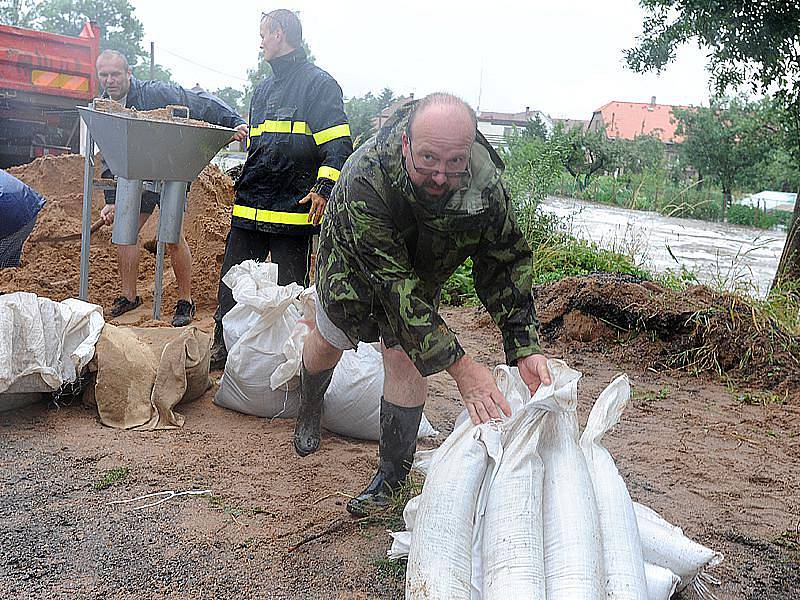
x: 626, y: 120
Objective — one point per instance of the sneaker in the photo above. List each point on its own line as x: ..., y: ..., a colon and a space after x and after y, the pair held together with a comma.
x: 122, y: 305
x: 184, y: 312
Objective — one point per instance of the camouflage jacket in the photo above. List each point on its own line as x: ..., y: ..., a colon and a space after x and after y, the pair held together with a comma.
x: 384, y: 255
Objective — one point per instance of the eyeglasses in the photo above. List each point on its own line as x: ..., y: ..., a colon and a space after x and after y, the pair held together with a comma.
x: 430, y: 172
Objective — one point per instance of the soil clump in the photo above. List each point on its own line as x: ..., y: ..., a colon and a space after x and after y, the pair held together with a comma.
x: 696, y: 329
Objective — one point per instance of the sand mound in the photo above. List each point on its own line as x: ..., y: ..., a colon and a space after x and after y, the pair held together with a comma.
x: 53, y: 269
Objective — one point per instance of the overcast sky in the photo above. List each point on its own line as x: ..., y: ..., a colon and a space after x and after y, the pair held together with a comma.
x: 564, y: 57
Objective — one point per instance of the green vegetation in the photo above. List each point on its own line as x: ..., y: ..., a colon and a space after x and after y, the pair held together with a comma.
x: 391, y: 569
x: 111, y: 477
x: 220, y: 503
x: 752, y: 44
x: 391, y: 518
x: 362, y: 112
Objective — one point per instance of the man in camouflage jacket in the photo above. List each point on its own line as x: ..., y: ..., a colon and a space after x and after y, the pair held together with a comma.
x: 411, y: 205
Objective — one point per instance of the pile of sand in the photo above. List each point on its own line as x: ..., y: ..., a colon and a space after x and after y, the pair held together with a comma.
x: 53, y: 269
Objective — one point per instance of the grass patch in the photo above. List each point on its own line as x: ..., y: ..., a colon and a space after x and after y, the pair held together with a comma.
x: 391, y: 517
x: 651, y: 395
x: 391, y: 568
x: 111, y: 477
x: 219, y: 503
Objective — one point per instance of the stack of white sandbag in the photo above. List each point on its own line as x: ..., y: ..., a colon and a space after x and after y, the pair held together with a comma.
x: 523, y: 508
x: 265, y: 333
x: 44, y: 344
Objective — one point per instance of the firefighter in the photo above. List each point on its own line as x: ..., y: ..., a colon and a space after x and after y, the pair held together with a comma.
x: 299, y: 140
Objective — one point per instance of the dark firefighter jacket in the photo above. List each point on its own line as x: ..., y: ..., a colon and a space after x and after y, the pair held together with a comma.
x: 299, y: 141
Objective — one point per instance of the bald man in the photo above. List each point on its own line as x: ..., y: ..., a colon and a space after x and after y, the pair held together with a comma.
x: 411, y: 205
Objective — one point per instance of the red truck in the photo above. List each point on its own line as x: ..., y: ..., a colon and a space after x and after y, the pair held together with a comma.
x: 43, y: 77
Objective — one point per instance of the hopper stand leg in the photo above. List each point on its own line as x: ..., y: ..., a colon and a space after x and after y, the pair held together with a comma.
x: 86, y: 217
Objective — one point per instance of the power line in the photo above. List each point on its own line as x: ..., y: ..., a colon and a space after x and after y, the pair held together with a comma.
x: 197, y: 64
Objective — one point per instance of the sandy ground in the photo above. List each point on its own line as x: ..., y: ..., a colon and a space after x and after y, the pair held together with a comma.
x: 724, y: 470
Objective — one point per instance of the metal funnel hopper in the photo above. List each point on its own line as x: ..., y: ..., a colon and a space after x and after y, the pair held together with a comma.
x: 136, y: 148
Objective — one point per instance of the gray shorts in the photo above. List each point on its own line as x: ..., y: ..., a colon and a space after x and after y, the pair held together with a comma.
x: 332, y: 334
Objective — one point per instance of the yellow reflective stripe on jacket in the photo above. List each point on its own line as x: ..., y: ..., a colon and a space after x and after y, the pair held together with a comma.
x: 299, y: 127
x: 328, y: 173
x: 331, y: 133
x: 270, y: 216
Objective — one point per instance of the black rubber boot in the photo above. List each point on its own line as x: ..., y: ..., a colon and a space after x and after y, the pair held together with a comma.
x: 312, y: 395
x: 219, y: 354
x: 398, y: 442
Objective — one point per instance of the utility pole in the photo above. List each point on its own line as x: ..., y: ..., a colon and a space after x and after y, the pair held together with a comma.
x: 152, y: 60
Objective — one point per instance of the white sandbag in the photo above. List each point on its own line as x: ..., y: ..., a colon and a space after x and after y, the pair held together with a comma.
x: 401, y: 540
x: 573, y: 556
x: 293, y: 346
x: 353, y: 400
x: 45, y: 344
x: 440, y: 556
x: 622, y: 548
x: 661, y: 582
x: 256, y: 330
x: 512, y: 551
x: 665, y: 545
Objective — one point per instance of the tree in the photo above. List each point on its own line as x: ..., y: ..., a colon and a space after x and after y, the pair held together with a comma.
x: 19, y: 13
x: 533, y: 166
x: 722, y: 141
x: 362, y: 111
x: 142, y: 71
x: 535, y: 127
x: 231, y: 96
x: 749, y: 43
x: 120, y: 29
x: 643, y: 153
x: 585, y: 153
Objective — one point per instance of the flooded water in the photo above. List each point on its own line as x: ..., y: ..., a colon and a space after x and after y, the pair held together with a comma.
x: 717, y: 253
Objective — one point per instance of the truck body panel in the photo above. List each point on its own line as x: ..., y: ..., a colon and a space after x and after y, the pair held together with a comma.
x: 43, y: 77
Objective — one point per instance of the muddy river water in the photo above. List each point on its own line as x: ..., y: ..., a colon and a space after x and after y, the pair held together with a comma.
x: 717, y: 253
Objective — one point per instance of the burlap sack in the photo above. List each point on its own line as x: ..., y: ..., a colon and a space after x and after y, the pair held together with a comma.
x: 143, y: 373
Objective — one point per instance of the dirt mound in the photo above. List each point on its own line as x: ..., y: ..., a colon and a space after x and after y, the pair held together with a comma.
x: 53, y: 269
x: 696, y: 329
